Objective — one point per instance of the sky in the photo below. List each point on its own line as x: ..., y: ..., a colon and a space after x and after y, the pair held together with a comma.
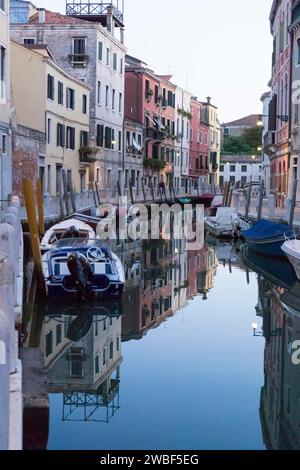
x: 212, y: 48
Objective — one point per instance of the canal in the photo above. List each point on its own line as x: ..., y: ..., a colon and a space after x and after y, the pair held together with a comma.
x: 176, y: 364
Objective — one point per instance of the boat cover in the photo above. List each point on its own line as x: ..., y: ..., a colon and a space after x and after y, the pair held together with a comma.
x: 266, y: 230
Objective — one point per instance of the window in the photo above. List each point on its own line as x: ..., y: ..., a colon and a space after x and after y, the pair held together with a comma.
x: 84, y: 138
x: 222, y: 168
x: 70, y: 138
x: 50, y: 92
x: 108, y: 137
x: 99, y: 93
x: 2, y: 5
x: 170, y: 98
x: 100, y: 135
x: 111, y: 350
x: 79, y: 49
x: 97, y: 366
x: 28, y: 41
x: 60, y: 141
x: 49, y: 343
x: 49, y: 180
x: 113, y: 97
x: 120, y: 102
x: 232, y: 168
x: 100, y: 51
x: 60, y: 89
x: 104, y: 356
x: 106, y: 96
x: 118, y: 344
x: 298, y: 51
x: 4, y: 144
x: 70, y: 98
x: 120, y: 141
x: 113, y: 141
x: 121, y: 66
x: 107, y: 56
x: 76, y: 362
x: 58, y: 334
x: 244, y: 168
x: 49, y: 129
x: 244, y: 180
x: 108, y: 179
x: 115, y: 58
x: 84, y: 104
x: 232, y: 180
x: 2, y: 72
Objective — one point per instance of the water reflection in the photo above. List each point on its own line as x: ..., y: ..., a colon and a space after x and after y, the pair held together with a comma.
x: 279, y: 308
x: 82, y: 344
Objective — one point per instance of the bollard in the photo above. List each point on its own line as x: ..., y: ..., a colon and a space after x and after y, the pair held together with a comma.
x: 4, y: 381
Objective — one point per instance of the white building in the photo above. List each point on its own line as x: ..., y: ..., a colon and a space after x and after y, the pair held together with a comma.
x: 240, y: 168
x: 182, y: 146
x: 5, y: 105
x: 88, y: 47
x: 266, y: 141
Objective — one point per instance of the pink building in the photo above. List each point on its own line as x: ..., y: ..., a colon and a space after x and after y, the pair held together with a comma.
x: 279, y: 109
x: 150, y: 101
x: 199, y: 147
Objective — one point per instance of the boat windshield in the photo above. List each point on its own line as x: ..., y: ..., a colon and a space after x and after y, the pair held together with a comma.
x: 83, y: 243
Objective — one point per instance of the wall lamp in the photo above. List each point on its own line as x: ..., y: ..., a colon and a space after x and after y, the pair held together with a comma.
x: 281, y: 117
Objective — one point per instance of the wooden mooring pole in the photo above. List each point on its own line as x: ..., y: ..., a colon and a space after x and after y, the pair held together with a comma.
x: 261, y: 199
x: 293, y: 203
x: 40, y: 205
x: 248, y: 201
x: 34, y: 234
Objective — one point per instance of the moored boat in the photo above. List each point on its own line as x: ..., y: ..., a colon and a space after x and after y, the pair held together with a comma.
x: 292, y: 250
x: 225, y: 224
x: 267, y: 237
x: 71, y: 228
x: 84, y: 268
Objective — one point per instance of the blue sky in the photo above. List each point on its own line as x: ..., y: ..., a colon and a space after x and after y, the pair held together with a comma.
x: 213, y: 47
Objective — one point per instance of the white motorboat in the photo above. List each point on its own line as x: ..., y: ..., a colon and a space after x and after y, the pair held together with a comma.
x: 83, y: 267
x: 292, y: 250
x: 225, y: 224
x: 71, y: 228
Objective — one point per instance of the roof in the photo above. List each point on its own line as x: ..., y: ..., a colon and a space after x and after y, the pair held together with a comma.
x: 247, y: 121
x: 240, y: 159
x: 53, y: 17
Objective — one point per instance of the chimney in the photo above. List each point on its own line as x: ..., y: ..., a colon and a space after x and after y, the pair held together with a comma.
x: 208, y: 99
x: 42, y: 15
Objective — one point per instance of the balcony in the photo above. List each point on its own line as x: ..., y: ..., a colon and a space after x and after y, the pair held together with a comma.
x: 155, y: 134
x: 79, y: 60
x: 87, y: 155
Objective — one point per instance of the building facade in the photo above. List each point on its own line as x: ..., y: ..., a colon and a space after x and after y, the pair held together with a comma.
x: 89, y: 48
x: 279, y: 109
x: 210, y: 118
x: 199, y: 149
x: 53, y: 136
x: 5, y: 106
x: 241, y: 169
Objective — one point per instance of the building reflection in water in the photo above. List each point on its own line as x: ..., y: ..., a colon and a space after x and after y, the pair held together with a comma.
x: 279, y: 307
x: 81, y: 343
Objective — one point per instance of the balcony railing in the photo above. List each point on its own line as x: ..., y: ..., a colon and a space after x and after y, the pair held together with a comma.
x: 155, y: 134
x: 79, y: 60
x: 87, y: 156
x: 86, y: 8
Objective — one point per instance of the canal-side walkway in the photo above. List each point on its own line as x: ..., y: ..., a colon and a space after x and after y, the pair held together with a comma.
x: 11, y: 302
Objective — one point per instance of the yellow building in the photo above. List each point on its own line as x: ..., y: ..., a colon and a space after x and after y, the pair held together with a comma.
x: 210, y: 118
x: 53, y: 106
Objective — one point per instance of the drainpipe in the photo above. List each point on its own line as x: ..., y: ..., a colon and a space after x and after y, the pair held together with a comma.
x: 290, y: 175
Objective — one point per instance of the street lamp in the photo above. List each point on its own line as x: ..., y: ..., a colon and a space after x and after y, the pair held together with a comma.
x: 281, y: 117
x: 274, y: 333
x: 255, y: 332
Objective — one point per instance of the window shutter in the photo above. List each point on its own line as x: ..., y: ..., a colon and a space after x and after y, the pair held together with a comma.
x: 63, y: 135
x: 58, y: 135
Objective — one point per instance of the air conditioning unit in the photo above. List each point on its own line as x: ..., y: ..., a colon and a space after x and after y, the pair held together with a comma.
x: 226, y: 131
